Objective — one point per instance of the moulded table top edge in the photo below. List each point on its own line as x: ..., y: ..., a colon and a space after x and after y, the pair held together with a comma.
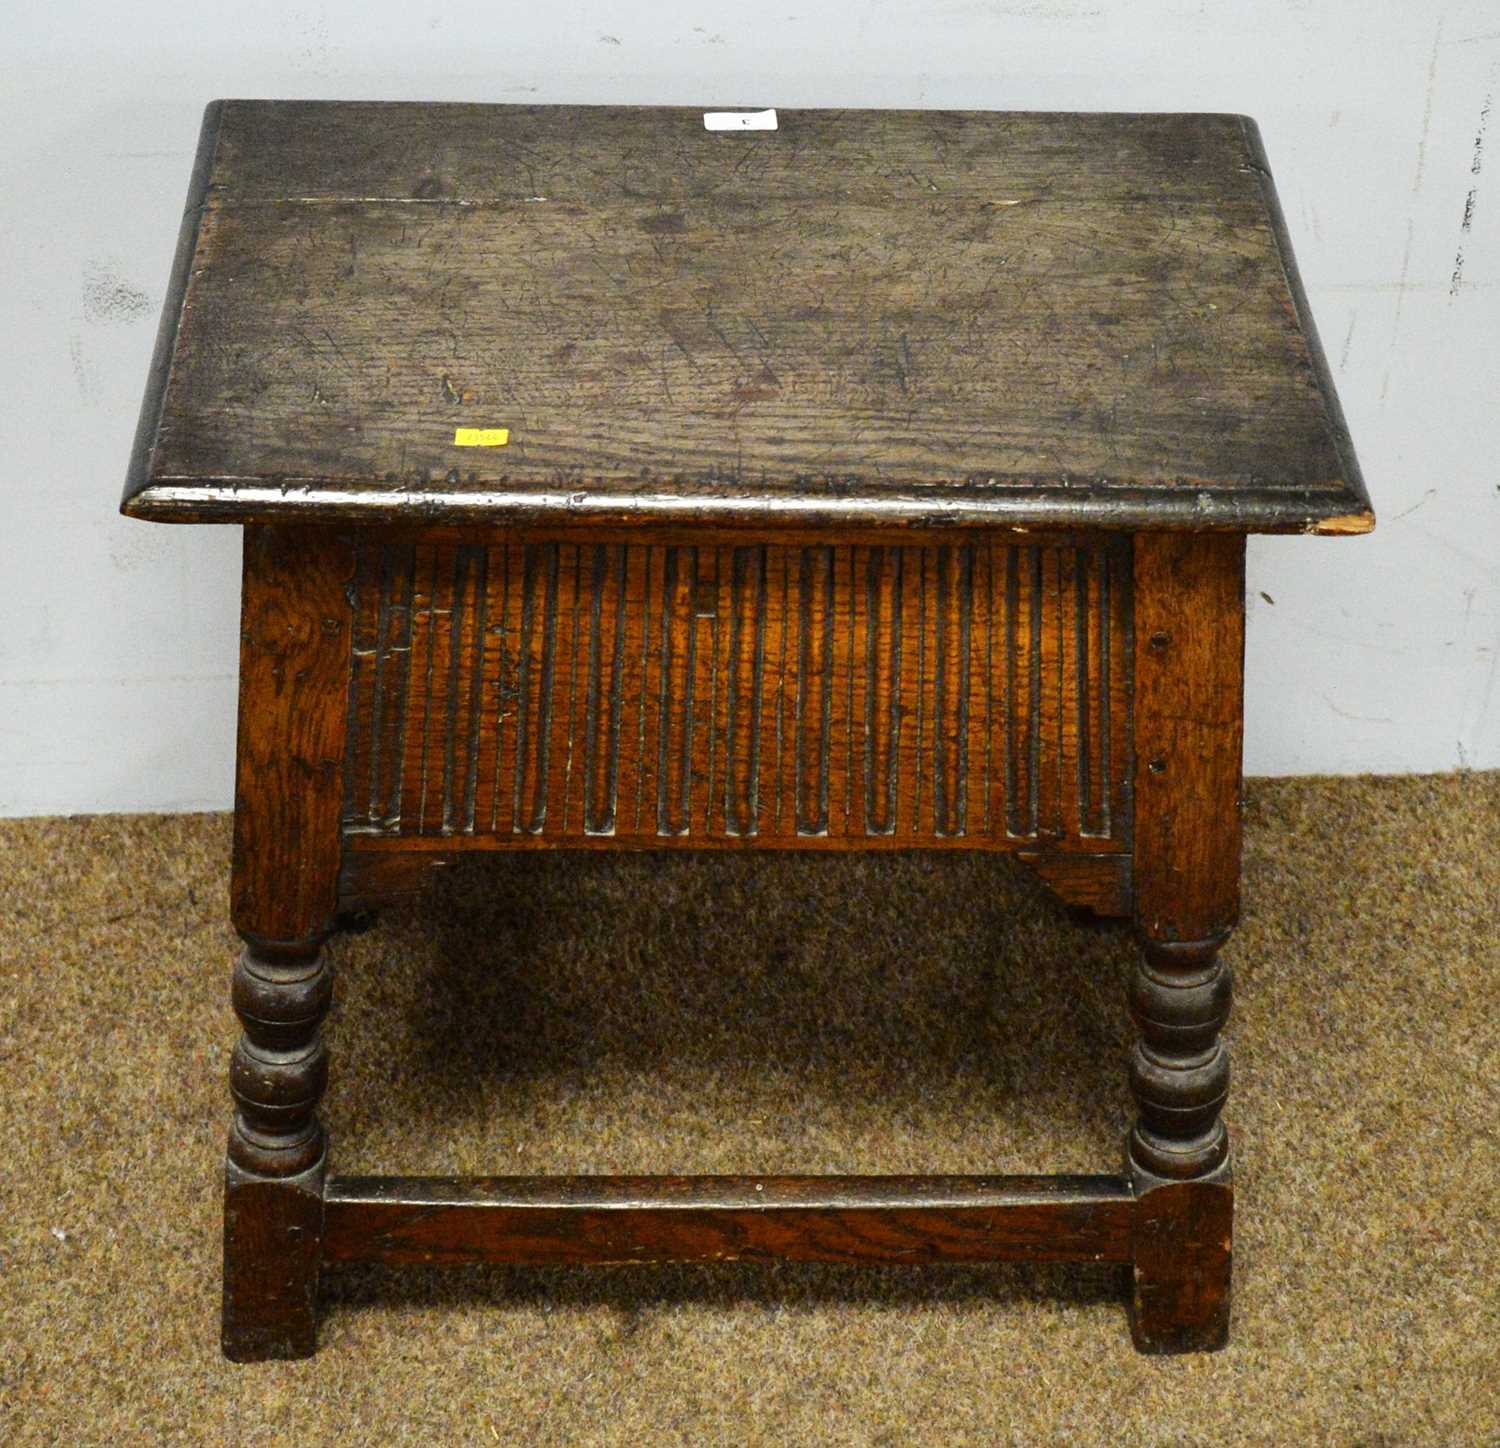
x: 753, y: 494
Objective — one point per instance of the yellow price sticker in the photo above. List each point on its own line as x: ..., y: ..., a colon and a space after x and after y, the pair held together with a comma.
x: 481, y: 436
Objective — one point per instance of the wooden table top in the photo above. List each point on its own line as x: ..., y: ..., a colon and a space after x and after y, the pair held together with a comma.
x: 859, y: 318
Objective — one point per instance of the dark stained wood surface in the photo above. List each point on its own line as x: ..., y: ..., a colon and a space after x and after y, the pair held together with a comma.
x: 273, y: 1256
x: 862, y: 318
x: 599, y: 1220
x: 1182, y: 1266
x: 873, y: 481
x: 1097, y: 886
x: 370, y: 880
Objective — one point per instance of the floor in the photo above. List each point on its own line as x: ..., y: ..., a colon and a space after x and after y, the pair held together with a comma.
x: 776, y: 1013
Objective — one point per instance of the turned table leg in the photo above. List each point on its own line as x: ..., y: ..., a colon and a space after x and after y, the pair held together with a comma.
x: 1179, y: 1150
x: 1189, y: 653
x: 294, y: 663
x: 273, y: 1185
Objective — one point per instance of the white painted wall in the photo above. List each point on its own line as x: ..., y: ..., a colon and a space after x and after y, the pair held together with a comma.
x: 117, y: 652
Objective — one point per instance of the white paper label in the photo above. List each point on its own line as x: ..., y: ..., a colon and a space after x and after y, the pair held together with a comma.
x: 739, y: 120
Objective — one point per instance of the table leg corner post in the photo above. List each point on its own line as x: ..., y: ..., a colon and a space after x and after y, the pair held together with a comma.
x: 1189, y: 692
x: 294, y: 681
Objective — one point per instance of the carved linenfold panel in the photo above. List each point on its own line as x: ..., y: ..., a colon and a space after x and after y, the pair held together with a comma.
x: 772, y: 692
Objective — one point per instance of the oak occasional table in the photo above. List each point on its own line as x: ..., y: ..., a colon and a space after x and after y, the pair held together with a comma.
x: 877, y: 481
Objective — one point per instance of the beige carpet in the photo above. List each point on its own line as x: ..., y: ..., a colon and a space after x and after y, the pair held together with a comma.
x: 602, y: 1013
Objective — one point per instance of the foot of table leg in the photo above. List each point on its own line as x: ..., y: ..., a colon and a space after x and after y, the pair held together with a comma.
x: 1179, y: 1299
x: 273, y: 1186
x: 273, y: 1229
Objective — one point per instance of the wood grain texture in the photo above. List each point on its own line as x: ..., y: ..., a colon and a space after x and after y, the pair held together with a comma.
x: 880, y: 481
x: 603, y: 1220
x: 862, y: 317
x: 1189, y: 726
x: 556, y: 691
x: 295, y: 647
x: 1101, y: 886
x: 370, y: 880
